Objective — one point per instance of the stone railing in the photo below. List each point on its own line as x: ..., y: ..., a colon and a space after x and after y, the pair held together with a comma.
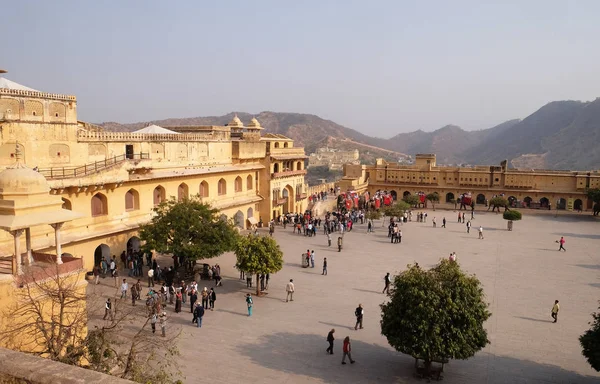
x: 288, y: 173
x: 301, y: 196
x: 42, y: 95
x: 44, y: 266
x: 320, y: 188
x: 295, y: 151
x: 280, y: 200
x: 91, y: 136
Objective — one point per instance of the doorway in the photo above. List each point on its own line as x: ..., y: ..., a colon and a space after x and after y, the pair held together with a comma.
x: 129, y: 151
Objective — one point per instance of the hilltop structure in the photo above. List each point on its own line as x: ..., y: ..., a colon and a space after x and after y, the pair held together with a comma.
x: 531, y: 188
x: 333, y: 158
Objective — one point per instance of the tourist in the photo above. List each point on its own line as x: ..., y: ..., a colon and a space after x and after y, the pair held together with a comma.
x: 312, y: 258
x: 329, y: 239
x: 555, y: 310
x: 153, y: 320
x: 249, y: 303
x: 369, y: 226
x: 198, y: 314
x: 108, y: 310
x: 193, y: 298
x: 248, y: 281
x: 452, y: 257
x: 347, y: 350
x: 468, y: 226
x: 359, y: 312
x: 481, y: 232
x: 267, y: 282
x: 204, y: 296
x: 178, y: 298
x: 339, y: 242
x: 184, y: 291
x: 330, y: 340
x: 561, y: 243
x: 133, y: 294
x: 212, y: 297
x: 262, y: 281
x: 463, y: 217
x: 163, y: 323
x: 399, y: 236
x: 434, y: 222
x: 289, y: 289
x: 387, y: 282
x: 444, y: 222
x: 115, y: 276
x: 459, y: 217
x: 124, y: 288
x: 324, y: 266
x: 96, y: 271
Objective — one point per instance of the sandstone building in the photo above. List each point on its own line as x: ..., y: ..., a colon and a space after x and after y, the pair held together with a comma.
x: 528, y: 188
x: 333, y: 158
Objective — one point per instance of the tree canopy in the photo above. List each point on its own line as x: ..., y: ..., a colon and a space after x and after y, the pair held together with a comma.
x: 397, y: 209
x: 512, y: 215
x: 258, y: 255
x: 590, y: 342
x: 593, y: 194
x: 412, y: 200
x: 188, y: 228
x: 373, y: 214
x: 434, y: 198
x: 498, y: 201
x: 436, y: 314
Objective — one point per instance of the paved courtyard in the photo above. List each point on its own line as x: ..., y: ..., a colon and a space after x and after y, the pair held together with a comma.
x: 522, y: 273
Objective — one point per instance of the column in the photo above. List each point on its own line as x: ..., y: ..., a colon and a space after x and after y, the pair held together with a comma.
x: 29, y: 260
x: 57, y: 241
x: 17, y: 267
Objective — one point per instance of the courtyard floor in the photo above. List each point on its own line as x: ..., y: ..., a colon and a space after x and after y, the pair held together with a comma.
x: 522, y: 273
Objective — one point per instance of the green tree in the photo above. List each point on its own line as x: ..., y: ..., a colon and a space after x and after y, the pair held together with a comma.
x: 436, y: 314
x: 498, y: 202
x: 594, y: 195
x: 511, y: 216
x: 412, y: 200
x: 397, y: 209
x: 188, y: 228
x: 373, y: 214
x: 258, y: 255
x: 434, y: 198
x: 590, y: 342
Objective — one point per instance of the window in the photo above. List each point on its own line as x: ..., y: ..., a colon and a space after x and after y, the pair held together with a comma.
x: 222, y: 187
x: 238, y: 184
x: 285, y: 145
x: 132, y: 200
x: 99, y: 205
x: 276, y: 145
x: 299, y: 165
x: 249, y: 185
x: 159, y: 195
x: 66, y: 204
x: 275, y: 167
x: 182, y: 192
x: 203, y: 192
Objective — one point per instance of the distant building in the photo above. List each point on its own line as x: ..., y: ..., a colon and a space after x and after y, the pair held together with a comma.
x: 333, y: 158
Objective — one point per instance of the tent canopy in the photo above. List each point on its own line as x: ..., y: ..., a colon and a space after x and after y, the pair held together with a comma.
x: 154, y: 129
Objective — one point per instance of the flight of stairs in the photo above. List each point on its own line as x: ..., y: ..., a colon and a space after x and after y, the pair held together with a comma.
x: 6, y: 265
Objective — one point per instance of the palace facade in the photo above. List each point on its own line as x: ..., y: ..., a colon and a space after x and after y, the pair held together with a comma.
x: 529, y: 188
x: 110, y: 181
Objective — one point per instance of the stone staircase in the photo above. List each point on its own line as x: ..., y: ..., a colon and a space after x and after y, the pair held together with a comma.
x: 6, y: 265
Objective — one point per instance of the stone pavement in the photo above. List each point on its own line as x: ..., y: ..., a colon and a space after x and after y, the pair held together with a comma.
x: 522, y: 273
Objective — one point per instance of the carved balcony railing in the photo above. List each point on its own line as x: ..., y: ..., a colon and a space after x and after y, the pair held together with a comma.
x: 280, y: 200
x: 288, y: 173
x: 300, y: 196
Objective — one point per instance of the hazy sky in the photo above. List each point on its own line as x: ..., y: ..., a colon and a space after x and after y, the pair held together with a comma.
x: 380, y: 67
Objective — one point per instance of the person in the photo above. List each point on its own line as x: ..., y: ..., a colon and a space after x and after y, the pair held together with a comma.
x: 153, y: 320
x: 289, y: 289
x: 249, y: 303
x: 124, y: 288
x: 204, y: 295
x: 359, y: 312
x: 347, y: 349
x: 133, y: 294
x: 163, y: 323
x: 108, y: 309
x: 330, y: 340
x: 248, y: 281
x: 97, y: 274
x: 481, y: 232
x: 115, y: 276
x: 199, y: 313
x: 340, y: 244
x: 387, y: 281
x: 369, y: 226
x: 444, y: 222
x: 193, y: 298
x: 328, y: 239
x: 468, y: 226
x: 312, y: 259
x: 212, y: 297
x: 178, y: 297
x: 434, y: 222
x: 399, y: 236
x: 561, y: 243
x: 452, y: 257
x: 324, y: 266
x: 150, y: 277
x: 555, y: 310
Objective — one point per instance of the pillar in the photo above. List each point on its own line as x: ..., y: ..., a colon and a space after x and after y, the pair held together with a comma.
x: 57, y: 241
x: 17, y: 267
x: 29, y: 260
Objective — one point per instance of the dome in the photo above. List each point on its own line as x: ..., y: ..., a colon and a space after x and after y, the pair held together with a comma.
x: 20, y: 180
x: 236, y: 122
x: 254, y: 124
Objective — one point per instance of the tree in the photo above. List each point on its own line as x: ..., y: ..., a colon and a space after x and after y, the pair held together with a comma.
x: 188, y: 228
x: 434, y: 198
x: 511, y: 216
x: 594, y: 195
x: 373, y: 214
x: 397, y: 209
x: 498, y: 202
x: 258, y: 255
x: 590, y: 342
x: 436, y: 314
x: 412, y: 200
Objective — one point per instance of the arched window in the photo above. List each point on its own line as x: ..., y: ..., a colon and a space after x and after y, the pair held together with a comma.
x: 222, y: 187
x: 66, y: 204
x: 276, y: 145
x: 299, y: 166
x: 203, y: 189
x: 132, y: 200
x: 285, y: 145
x: 159, y: 195
x: 275, y: 167
x: 249, y: 185
x: 182, y: 192
x: 238, y: 184
x: 99, y: 205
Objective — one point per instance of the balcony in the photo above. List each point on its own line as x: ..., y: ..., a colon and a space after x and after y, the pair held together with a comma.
x: 280, y: 200
x: 301, y: 196
x: 288, y: 173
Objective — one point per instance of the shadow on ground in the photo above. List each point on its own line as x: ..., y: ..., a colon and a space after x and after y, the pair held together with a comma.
x: 304, y: 355
x: 577, y: 235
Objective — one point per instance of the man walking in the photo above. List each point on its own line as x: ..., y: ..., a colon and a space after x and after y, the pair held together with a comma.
x: 555, y: 310
x: 312, y: 258
x: 347, y: 349
x: 199, y: 313
x: 468, y: 226
x: 359, y: 312
x: 150, y: 277
x: 289, y: 289
x: 340, y: 244
x: 249, y: 303
x: 324, y: 266
x: 387, y: 281
x: 329, y: 239
x: 561, y: 243
x: 163, y: 323
x: 330, y: 339
x: 108, y: 310
x: 124, y: 288
x: 481, y: 232
x: 444, y: 222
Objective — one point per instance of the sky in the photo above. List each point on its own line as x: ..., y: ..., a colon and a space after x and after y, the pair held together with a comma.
x: 380, y: 67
